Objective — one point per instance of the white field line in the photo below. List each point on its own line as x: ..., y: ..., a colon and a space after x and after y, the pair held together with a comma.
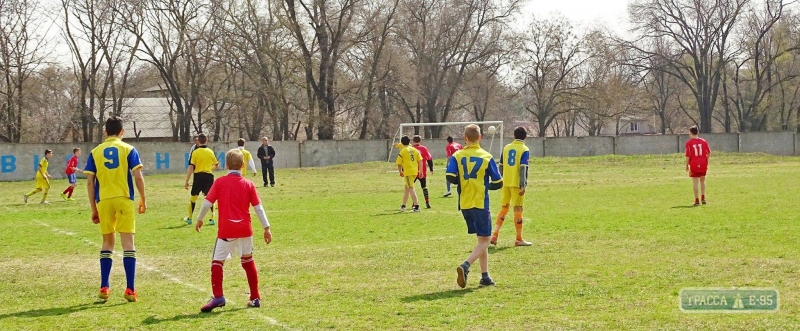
x: 166, y: 275
x: 377, y: 243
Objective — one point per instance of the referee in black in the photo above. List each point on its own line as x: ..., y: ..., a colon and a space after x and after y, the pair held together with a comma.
x: 201, y: 164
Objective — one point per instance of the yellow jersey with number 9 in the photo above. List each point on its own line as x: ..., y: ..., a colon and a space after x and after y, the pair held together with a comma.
x: 409, y: 158
x: 112, y: 163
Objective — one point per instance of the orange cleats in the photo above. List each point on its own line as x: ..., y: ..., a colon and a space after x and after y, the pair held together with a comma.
x: 105, y: 292
x: 131, y: 296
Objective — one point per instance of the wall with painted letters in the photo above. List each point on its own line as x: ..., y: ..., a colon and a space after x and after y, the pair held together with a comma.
x: 19, y: 161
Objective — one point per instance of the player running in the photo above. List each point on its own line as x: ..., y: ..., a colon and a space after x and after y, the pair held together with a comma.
x: 408, y: 163
x: 234, y: 195
x: 72, y: 167
x: 697, y: 154
x: 201, y: 164
x: 422, y: 176
x: 514, y: 167
x: 42, y: 178
x: 452, y: 148
x: 111, y: 169
x: 474, y: 171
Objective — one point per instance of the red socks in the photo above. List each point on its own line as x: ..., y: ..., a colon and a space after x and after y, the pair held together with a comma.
x: 249, y: 267
x: 216, y: 278
x: 69, y: 190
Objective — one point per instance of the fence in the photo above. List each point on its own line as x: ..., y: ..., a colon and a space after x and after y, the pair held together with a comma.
x: 19, y: 161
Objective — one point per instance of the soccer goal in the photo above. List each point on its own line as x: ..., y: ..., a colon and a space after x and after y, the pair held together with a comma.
x: 498, y: 128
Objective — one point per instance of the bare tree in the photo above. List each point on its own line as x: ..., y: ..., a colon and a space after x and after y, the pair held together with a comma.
x: 548, y: 65
x: 21, y: 53
x: 701, y: 31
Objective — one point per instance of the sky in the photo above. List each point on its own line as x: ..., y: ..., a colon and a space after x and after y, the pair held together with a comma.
x: 583, y: 13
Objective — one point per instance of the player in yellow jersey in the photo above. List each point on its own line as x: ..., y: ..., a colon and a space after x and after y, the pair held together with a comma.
x: 474, y: 171
x: 514, y: 167
x: 111, y: 170
x: 248, y: 159
x: 201, y: 164
x: 42, y: 178
x: 408, y: 163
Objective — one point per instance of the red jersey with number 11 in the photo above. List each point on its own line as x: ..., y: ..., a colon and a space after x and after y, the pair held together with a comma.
x: 697, y: 151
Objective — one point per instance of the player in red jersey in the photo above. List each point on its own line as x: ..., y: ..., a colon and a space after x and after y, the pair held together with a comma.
x: 422, y: 176
x: 72, y: 167
x: 234, y: 195
x: 697, y: 153
x: 452, y: 148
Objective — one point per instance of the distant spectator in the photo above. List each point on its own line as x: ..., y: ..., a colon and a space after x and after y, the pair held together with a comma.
x: 267, y: 155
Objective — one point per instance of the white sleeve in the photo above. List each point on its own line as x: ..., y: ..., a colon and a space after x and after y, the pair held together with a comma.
x: 252, y: 165
x: 262, y: 216
x: 204, y: 209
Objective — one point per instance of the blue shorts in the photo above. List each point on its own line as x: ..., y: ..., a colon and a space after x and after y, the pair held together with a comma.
x: 479, y: 221
x: 72, y: 178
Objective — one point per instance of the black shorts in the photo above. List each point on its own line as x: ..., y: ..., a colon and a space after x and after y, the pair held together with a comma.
x: 202, y: 183
x: 422, y: 181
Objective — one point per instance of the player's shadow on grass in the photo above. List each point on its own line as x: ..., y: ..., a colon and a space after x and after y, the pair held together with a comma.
x: 438, y: 295
x: 493, y: 250
x: 684, y: 206
x: 175, y: 227
x: 57, y: 311
x: 155, y: 320
x: 390, y: 213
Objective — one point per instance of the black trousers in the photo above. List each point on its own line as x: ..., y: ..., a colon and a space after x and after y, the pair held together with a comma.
x: 268, y: 169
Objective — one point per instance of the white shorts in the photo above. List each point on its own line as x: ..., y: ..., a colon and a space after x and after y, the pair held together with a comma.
x: 225, y: 248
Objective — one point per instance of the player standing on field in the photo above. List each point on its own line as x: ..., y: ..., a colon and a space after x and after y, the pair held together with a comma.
x: 422, y: 176
x: 248, y: 159
x: 474, y: 171
x: 72, y: 167
x: 408, y: 163
x: 111, y: 169
x: 697, y: 153
x: 201, y: 164
x: 234, y: 195
x: 452, y: 148
x: 42, y: 178
x: 514, y: 167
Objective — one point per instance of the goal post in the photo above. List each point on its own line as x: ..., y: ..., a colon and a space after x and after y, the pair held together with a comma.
x: 399, y: 133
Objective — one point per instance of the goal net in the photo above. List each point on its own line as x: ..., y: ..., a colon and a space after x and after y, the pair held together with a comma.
x: 458, y: 136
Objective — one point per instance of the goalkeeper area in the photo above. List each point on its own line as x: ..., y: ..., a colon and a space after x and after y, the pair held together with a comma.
x: 453, y: 129
x: 614, y: 241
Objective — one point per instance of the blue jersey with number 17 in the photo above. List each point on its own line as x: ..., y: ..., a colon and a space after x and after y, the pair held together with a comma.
x: 475, y: 169
x: 112, y: 163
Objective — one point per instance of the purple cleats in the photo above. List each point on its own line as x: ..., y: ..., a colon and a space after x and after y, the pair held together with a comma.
x: 213, y: 303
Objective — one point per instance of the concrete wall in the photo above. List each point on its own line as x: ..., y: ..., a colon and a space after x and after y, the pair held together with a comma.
x: 719, y: 142
x: 579, y: 146
x: 19, y: 161
x: 775, y: 143
x: 638, y: 145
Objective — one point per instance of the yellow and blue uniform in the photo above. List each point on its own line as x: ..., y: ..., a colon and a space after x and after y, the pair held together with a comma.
x: 474, y: 171
x: 513, y: 162
x: 41, y: 179
x: 409, y: 158
x: 112, y: 163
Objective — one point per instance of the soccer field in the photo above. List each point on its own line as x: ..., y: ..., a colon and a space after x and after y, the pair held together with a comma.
x: 614, y: 241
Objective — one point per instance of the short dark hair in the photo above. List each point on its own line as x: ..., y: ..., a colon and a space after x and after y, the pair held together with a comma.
x: 449, y: 139
x: 694, y: 130
x: 240, y: 142
x: 417, y: 139
x: 202, y: 138
x: 47, y: 151
x: 75, y: 150
x: 520, y: 133
x: 405, y: 140
x: 113, y: 126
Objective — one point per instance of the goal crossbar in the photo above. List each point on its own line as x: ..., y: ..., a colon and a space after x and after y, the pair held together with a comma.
x: 397, y: 135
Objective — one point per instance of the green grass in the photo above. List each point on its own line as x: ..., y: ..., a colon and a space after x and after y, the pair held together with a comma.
x: 614, y: 242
